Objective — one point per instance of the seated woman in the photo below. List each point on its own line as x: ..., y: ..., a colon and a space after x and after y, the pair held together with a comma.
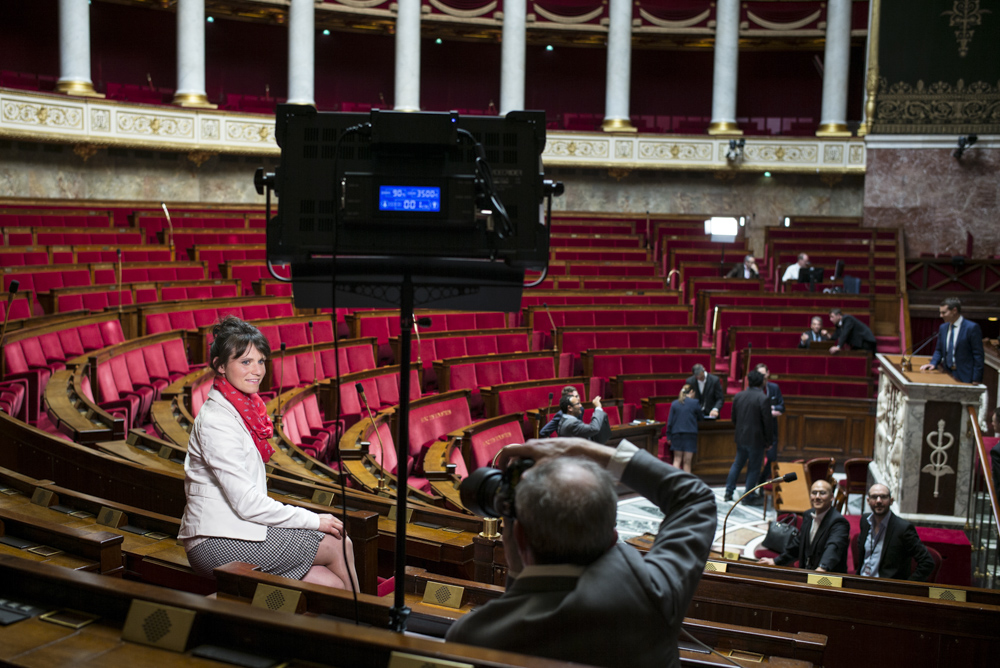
x: 682, y: 427
x: 229, y: 516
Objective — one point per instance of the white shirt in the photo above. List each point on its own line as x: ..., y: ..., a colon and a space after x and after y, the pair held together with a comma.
x: 792, y: 273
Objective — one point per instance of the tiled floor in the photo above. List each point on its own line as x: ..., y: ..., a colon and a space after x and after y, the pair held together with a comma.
x: 744, y: 531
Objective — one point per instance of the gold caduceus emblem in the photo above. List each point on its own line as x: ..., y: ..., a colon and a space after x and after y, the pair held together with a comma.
x: 939, y: 458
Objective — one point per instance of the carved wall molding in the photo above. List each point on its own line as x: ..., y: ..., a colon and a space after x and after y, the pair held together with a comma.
x: 940, y: 107
x: 54, y: 118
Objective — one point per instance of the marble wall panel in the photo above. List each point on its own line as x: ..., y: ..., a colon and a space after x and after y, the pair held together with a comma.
x: 33, y: 171
x: 37, y: 171
x: 765, y: 200
x: 937, y: 199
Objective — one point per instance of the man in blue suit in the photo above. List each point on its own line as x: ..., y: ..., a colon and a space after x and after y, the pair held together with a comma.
x: 960, y: 345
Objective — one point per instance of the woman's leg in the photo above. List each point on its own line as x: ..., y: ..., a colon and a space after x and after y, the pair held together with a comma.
x: 686, y: 459
x: 329, y: 567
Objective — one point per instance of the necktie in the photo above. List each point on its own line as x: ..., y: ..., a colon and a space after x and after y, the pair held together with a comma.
x: 950, y: 360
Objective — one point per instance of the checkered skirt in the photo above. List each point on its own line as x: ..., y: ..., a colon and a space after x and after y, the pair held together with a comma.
x: 286, y: 552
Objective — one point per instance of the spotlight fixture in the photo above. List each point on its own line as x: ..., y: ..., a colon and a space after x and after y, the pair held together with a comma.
x: 788, y: 221
x: 735, y: 152
x: 743, y: 221
x: 965, y: 142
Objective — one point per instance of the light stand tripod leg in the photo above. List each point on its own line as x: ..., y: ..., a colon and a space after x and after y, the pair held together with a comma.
x: 399, y: 613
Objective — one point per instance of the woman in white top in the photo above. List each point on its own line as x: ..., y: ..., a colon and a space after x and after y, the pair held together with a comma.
x: 229, y: 516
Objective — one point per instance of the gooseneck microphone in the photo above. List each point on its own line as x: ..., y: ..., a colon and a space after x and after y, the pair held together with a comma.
x: 788, y: 477
x: 281, y: 377
x: 417, y: 323
x: 381, y: 448
x: 552, y: 323
x: 904, y: 364
x: 12, y: 290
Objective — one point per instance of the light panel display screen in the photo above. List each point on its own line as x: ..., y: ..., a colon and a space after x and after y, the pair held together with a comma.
x: 419, y: 199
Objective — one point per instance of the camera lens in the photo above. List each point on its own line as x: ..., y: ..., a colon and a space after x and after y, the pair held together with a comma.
x: 478, y: 491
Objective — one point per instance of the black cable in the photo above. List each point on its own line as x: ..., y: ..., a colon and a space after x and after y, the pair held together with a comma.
x: 359, y: 128
x: 485, y: 177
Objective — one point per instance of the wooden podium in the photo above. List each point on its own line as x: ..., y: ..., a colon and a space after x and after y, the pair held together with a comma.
x: 924, y: 441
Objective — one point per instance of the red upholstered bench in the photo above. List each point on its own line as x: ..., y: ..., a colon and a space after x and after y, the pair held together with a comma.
x: 599, y: 365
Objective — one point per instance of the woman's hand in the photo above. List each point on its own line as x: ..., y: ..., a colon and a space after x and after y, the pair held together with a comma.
x: 331, y: 525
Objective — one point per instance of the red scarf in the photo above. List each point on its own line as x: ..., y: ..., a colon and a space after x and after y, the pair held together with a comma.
x: 254, y: 413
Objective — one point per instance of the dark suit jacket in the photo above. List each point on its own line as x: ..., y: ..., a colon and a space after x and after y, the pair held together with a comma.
x: 900, y: 544
x: 549, y: 430
x: 778, y: 404
x: 829, y: 550
x: 623, y: 609
x: 737, y: 272
x: 995, y: 466
x: 805, y: 344
x: 598, y: 431
x: 855, y: 333
x: 713, y: 396
x: 752, y: 419
x: 969, y: 358
x: 684, y: 416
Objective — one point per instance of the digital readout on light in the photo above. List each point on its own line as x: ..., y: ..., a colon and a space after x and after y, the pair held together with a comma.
x: 409, y: 198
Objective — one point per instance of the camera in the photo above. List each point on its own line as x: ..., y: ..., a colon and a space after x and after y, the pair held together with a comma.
x: 489, y: 492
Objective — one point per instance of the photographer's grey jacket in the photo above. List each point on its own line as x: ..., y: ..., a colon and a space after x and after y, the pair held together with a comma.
x: 622, y: 610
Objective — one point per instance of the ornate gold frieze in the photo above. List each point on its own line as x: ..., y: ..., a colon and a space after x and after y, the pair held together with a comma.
x: 45, y: 115
x: 833, y: 153
x: 578, y: 148
x: 938, y: 108
x: 155, y: 124
x: 100, y: 120
x: 623, y: 150
x: 783, y: 152
x: 675, y: 150
x: 964, y: 15
x: 250, y: 132
x: 856, y: 154
x: 210, y: 129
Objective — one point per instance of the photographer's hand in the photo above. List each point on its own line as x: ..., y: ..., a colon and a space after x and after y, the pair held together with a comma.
x: 556, y: 447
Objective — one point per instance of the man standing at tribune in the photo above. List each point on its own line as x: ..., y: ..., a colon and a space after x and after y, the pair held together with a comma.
x: 959, y: 349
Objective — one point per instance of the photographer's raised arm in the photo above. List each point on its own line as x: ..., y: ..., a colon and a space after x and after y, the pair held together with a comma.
x: 557, y: 447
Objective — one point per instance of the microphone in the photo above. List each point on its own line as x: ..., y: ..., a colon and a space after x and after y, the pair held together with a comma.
x: 555, y: 348
x: 426, y: 322
x: 788, y: 477
x: 119, y: 283
x: 170, y: 226
x: 12, y: 290
x: 281, y: 377
x: 550, y: 398
x: 312, y: 351
x: 381, y: 448
x: 904, y: 364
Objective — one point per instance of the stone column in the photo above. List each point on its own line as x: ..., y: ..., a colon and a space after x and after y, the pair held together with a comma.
x: 408, y: 56
x: 512, y: 48
x: 724, y: 77
x: 616, y: 92
x: 836, y: 64
x: 301, y: 51
x: 74, y: 49
x: 191, y: 55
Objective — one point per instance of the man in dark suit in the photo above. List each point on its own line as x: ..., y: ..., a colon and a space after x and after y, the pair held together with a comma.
x: 579, y: 594
x: 753, y: 425
x: 821, y: 544
x: 888, y: 543
x: 777, y: 402
x: 550, y: 427
x: 815, y: 333
x: 597, y: 430
x: 707, y: 390
x: 746, y: 269
x: 851, y: 331
x: 959, y: 345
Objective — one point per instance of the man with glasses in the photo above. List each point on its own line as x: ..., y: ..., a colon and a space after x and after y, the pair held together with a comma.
x: 821, y: 545
x: 888, y: 543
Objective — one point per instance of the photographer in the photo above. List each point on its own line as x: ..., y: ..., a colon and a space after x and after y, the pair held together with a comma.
x: 579, y: 595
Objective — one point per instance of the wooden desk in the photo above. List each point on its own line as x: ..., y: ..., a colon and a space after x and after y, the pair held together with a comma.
x: 791, y: 497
